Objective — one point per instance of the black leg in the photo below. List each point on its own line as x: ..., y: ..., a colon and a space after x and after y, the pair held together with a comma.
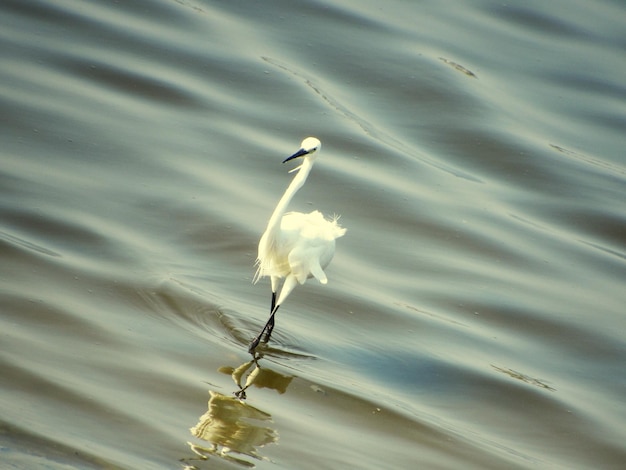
x: 253, y: 345
x: 270, y: 327
x: 265, y: 333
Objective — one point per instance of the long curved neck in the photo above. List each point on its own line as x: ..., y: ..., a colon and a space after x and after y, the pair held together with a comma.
x: 292, y: 189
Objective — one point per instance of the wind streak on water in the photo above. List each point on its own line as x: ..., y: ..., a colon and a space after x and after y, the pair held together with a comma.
x: 368, y: 128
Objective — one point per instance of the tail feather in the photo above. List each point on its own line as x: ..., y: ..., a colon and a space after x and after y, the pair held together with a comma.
x: 339, y: 231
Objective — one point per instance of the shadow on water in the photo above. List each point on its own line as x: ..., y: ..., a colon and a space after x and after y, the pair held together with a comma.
x: 232, y: 429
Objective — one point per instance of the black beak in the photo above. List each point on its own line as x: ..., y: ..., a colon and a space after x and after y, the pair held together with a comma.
x: 299, y: 153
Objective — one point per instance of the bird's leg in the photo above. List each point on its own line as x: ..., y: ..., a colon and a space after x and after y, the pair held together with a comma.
x: 270, y: 323
x: 265, y: 333
x: 268, y: 329
x: 270, y: 326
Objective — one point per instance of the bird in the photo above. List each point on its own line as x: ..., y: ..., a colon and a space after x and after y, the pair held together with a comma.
x: 295, y: 246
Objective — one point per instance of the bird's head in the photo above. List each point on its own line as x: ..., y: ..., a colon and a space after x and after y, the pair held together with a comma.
x: 308, y: 150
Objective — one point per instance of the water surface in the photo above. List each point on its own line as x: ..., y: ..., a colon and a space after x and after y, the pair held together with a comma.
x: 474, y: 314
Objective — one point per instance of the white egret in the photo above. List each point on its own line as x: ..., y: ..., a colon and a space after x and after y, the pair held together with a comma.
x: 295, y: 246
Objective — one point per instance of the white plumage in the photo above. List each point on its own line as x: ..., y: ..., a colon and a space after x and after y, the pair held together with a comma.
x: 295, y: 246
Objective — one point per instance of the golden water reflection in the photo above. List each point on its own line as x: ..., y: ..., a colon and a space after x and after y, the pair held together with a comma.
x: 260, y: 377
x: 232, y: 428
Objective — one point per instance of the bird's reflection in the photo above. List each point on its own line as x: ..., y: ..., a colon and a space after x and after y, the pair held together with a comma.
x: 260, y: 377
x: 233, y: 428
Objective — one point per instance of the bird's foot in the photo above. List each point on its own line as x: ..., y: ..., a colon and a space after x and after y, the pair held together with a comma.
x: 262, y: 338
x: 253, y: 345
x: 266, y: 337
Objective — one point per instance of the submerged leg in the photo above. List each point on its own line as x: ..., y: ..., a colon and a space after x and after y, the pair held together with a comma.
x: 270, y: 323
x: 269, y: 326
x: 265, y: 333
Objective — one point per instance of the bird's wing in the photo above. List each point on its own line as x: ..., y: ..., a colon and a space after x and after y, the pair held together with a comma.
x: 306, y: 258
x: 312, y: 225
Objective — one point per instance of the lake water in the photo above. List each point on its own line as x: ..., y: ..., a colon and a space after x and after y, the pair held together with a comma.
x: 475, y: 311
